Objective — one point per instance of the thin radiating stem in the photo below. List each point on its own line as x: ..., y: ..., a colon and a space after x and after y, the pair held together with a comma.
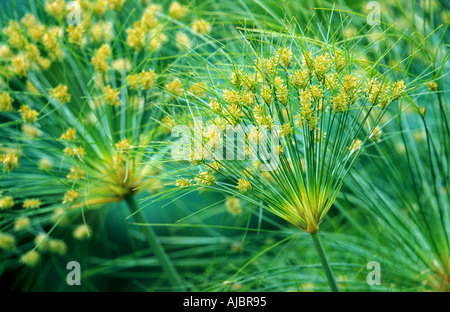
x: 154, y: 243
x: 325, y: 265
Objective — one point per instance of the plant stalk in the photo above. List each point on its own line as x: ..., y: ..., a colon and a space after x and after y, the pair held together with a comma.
x: 325, y: 265
x: 154, y: 243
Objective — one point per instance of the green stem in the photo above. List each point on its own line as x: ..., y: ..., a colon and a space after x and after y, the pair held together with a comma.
x: 325, y: 265
x: 154, y: 243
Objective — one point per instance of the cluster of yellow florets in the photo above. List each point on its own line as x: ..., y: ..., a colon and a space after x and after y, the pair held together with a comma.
x: 10, y: 161
x: 56, y: 8
x: 21, y: 223
x: 243, y: 185
x: 233, y: 205
x: 31, y: 131
x: 201, y: 26
x: 142, y: 81
x: 112, y: 96
x: 101, y: 57
x: 70, y: 196
x: 76, y: 35
x: 123, y: 145
x: 5, y: 102
x: 30, y: 258
x: 45, y: 243
x: 6, y: 202
x: 175, y: 87
x: 295, y: 92
x: 76, y: 173
x: 205, y: 178
x: 82, y: 232
x: 28, y: 114
x: 69, y: 135
x: 31, y: 203
x: 7, y: 241
x: 383, y: 93
x: 150, y: 32
x: 60, y: 94
x: 178, y: 11
x: 183, y: 182
x: 75, y: 152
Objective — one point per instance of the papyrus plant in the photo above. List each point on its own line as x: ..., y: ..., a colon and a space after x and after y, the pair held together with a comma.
x: 299, y: 114
x: 80, y: 105
x: 409, y: 201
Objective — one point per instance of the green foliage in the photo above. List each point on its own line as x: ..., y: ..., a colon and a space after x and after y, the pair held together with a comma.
x: 86, y: 114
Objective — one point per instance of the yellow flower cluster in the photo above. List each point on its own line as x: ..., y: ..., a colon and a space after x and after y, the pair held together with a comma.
x: 57, y: 246
x: 16, y: 38
x: 5, y: 102
x: 232, y: 97
x: 76, y: 173
x: 233, y: 205
x: 30, y: 258
x: 177, y: 11
x: 21, y: 223
x: 52, y: 43
x: 322, y: 65
x: 205, y: 178
x: 6, y: 202
x: 175, y: 87
x: 148, y: 32
x: 112, y: 96
x: 183, y: 41
x: 7, y: 241
x: 282, y: 92
x: 76, y: 34
x: 122, y: 65
x: 243, y: 185
x: 339, y: 102
x: 10, y: 161
x: 99, y: 32
x: 201, y: 26
x: 339, y: 60
x: 375, y: 134
x: 285, y: 56
x: 31, y: 131
x: 31, y: 203
x: 116, y: 5
x: 157, y: 38
x: 56, y: 8
x: 183, y: 182
x: 28, y: 115
x: 383, y: 93
x: 69, y: 135
x: 76, y: 152
x: 124, y: 145
x: 198, y: 89
x: 70, y: 196
x: 82, y: 232
x: 45, y: 243
x: 147, y: 79
x: 101, y: 57
x: 60, y: 94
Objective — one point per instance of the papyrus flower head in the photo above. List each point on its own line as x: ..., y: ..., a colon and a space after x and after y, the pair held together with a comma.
x: 318, y: 106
